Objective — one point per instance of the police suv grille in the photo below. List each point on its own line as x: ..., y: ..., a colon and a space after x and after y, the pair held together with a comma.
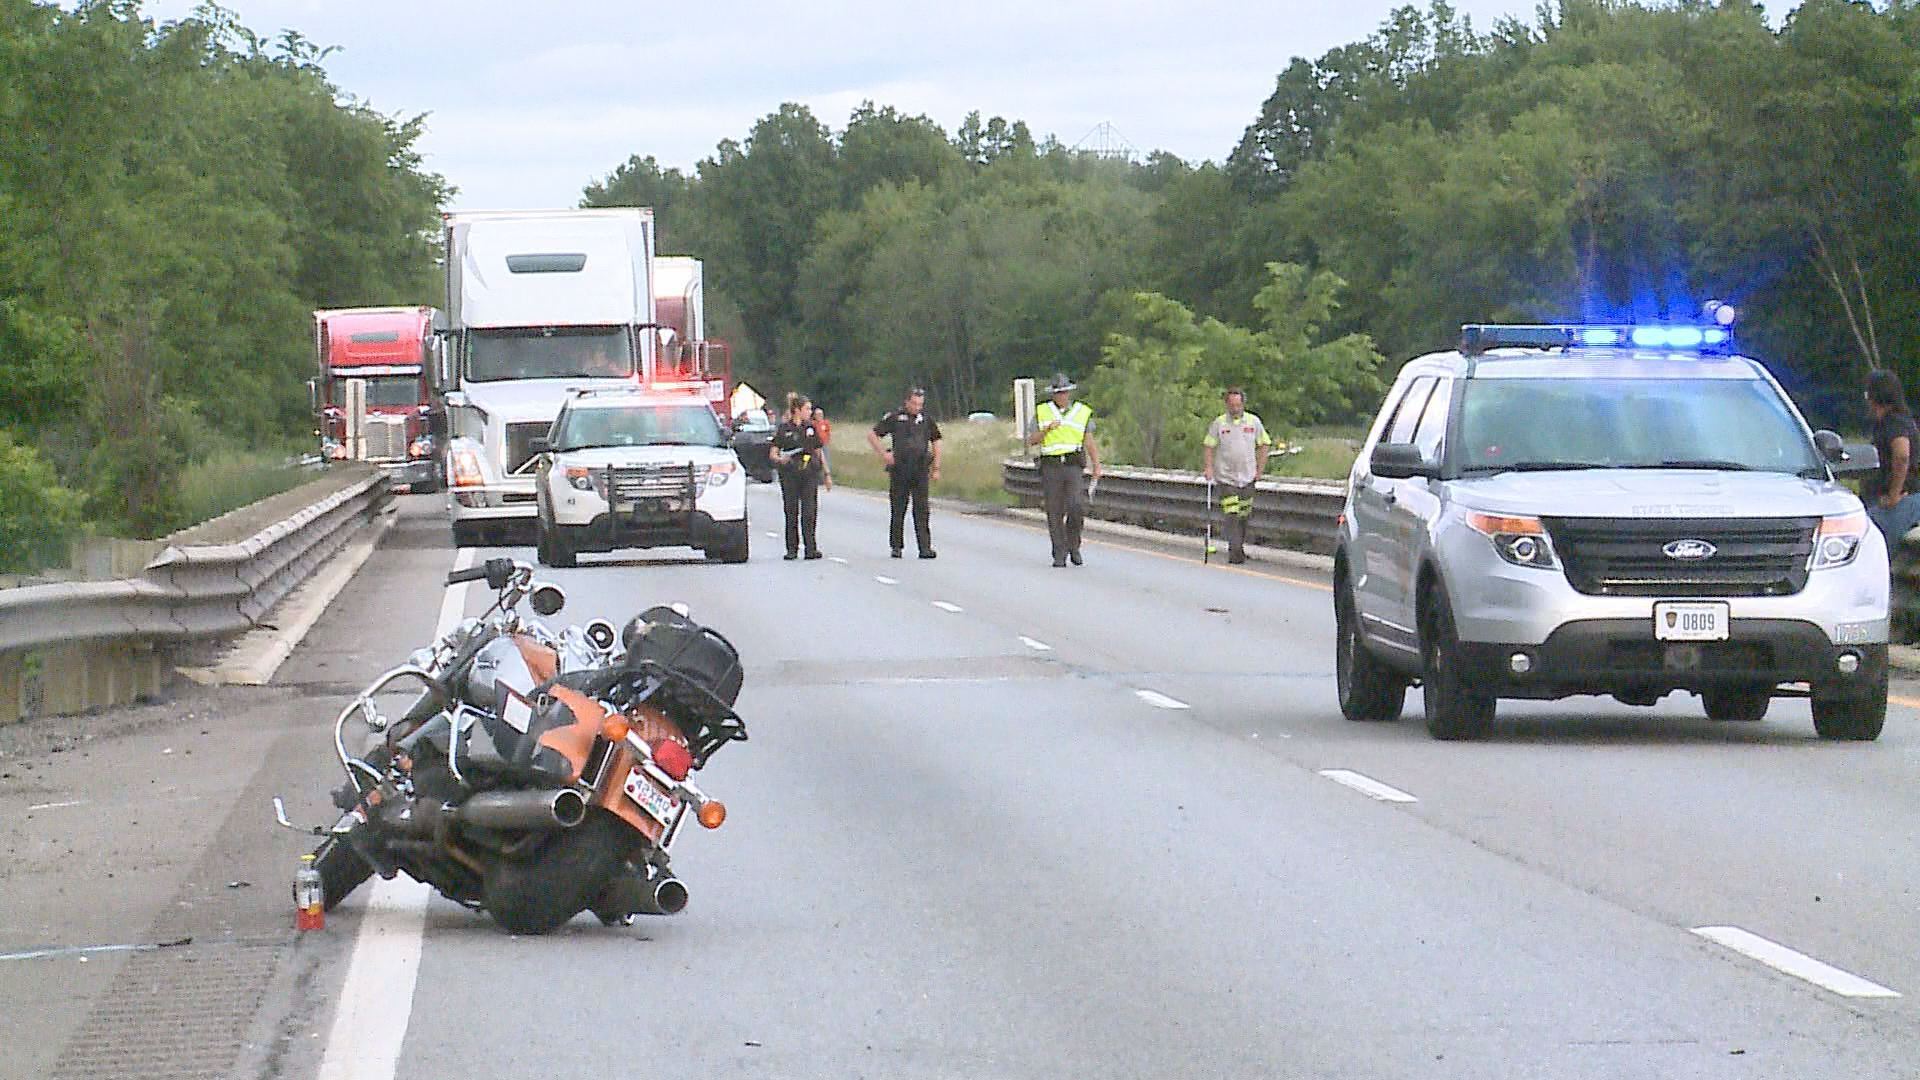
x: 637, y: 483
x: 520, y: 442
x: 1628, y: 556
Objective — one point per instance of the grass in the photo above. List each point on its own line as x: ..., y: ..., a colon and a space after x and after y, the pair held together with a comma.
x: 230, y: 479
x: 1327, y: 457
x: 970, y: 456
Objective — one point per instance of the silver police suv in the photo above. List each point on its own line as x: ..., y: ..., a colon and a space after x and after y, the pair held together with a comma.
x: 1625, y: 510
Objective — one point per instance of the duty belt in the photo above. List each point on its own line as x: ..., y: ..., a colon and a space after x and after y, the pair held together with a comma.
x: 1076, y: 458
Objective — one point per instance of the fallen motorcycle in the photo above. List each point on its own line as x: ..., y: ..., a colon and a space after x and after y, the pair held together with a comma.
x: 536, y: 775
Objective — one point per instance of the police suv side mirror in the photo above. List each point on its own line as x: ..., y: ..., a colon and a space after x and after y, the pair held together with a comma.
x: 540, y: 444
x: 1830, y: 446
x: 1401, y: 461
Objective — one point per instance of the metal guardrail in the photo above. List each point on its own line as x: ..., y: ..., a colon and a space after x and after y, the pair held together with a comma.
x: 1286, y: 512
x: 186, y: 593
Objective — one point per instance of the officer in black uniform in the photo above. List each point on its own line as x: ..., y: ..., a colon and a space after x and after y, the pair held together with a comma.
x: 795, y: 451
x: 913, y: 464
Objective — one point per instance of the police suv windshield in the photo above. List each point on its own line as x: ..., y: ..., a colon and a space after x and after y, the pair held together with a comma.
x: 639, y: 425
x: 553, y: 352
x: 1525, y: 424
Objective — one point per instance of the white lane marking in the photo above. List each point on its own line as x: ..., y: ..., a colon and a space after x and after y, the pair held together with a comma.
x: 944, y: 606
x: 57, y: 805
x: 771, y: 535
x: 1367, y: 785
x: 1159, y: 700
x: 884, y: 580
x: 838, y: 559
x: 1037, y: 646
x: 377, y: 1000
x: 1797, y: 964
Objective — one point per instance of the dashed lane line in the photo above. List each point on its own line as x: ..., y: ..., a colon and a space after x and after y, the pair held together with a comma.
x: 885, y: 580
x: 1368, y: 786
x: 944, y: 606
x: 1797, y: 964
x: 1159, y: 700
x: 836, y: 559
x: 1036, y: 646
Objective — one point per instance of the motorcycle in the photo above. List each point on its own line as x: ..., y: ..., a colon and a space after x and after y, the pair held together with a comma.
x: 536, y: 775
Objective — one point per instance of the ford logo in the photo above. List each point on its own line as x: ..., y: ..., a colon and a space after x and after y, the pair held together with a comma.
x: 1689, y: 550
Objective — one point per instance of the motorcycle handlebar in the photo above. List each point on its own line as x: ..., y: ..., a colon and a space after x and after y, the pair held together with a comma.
x: 497, y: 573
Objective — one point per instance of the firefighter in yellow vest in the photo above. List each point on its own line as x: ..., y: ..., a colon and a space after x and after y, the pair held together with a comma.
x: 1063, y: 430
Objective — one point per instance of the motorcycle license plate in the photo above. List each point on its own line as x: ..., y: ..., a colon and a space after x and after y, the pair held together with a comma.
x: 647, y: 795
x: 1690, y: 622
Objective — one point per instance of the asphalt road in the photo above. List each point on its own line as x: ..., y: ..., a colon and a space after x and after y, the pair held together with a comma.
x: 1000, y: 819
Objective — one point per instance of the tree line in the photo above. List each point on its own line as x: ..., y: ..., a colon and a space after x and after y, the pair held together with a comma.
x: 174, y: 200
x: 1607, y: 160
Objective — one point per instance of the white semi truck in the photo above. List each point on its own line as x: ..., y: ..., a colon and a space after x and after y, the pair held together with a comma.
x: 540, y: 304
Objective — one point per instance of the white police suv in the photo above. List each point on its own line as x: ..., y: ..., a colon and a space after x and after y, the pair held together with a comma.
x: 1623, y: 510
x: 633, y: 468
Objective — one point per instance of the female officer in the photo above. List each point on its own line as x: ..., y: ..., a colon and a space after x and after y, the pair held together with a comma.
x: 796, y: 453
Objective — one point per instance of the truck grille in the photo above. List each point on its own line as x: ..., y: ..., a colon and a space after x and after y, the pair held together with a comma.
x: 1628, y: 556
x: 635, y: 485
x: 520, y: 443
x: 385, y: 438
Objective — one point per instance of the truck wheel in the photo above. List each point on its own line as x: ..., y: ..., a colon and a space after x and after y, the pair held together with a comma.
x: 1854, y: 717
x: 1369, y: 689
x: 1454, y: 710
x: 1737, y: 704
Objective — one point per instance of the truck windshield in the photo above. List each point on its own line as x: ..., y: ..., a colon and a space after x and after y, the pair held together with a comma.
x: 383, y: 391
x: 1544, y: 424
x: 639, y: 425
x: 553, y: 352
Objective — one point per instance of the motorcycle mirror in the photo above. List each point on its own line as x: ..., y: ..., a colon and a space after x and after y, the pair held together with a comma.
x: 547, y: 599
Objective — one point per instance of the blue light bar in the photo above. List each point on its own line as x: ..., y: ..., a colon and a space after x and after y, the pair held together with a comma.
x: 1477, y: 338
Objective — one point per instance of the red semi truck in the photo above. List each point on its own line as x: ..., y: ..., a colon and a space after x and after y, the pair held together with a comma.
x: 394, y: 353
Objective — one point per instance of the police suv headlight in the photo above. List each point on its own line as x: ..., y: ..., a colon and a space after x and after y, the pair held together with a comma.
x: 1521, y: 541
x: 1837, y: 541
x: 580, y: 478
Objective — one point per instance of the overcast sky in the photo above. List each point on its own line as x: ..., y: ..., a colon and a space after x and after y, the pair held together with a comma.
x: 529, y: 102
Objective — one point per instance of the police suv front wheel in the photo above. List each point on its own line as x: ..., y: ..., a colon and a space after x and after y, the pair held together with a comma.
x: 1855, y: 715
x: 1369, y: 689
x: 1454, y: 709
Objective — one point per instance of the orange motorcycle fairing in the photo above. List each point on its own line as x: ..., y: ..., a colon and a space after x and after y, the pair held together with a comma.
x: 575, y: 741
x: 543, y: 663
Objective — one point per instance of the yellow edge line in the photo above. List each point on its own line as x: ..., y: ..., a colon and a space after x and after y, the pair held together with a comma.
x: 1902, y: 699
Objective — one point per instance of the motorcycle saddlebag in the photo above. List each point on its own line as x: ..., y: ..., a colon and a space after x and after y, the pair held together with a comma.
x: 664, y: 640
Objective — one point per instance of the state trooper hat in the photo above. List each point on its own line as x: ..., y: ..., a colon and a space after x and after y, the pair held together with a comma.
x: 1060, y: 383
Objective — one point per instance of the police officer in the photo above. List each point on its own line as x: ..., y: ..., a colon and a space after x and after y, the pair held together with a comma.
x: 796, y: 453
x: 912, y: 464
x: 1063, y: 430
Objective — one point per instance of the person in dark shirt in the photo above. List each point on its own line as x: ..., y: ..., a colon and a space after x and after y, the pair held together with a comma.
x: 913, y: 465
x: 1891, y: 501
x: 796, y: 453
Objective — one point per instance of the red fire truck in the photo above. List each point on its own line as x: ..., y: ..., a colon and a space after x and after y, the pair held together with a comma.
x: 373, y: 396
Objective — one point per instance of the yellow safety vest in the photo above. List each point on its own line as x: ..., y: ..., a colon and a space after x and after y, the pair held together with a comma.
x: 1072, y: 432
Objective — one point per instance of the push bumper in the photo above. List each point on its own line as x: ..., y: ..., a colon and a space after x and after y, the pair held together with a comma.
x: 609, y: 532
x: 1610, y: 656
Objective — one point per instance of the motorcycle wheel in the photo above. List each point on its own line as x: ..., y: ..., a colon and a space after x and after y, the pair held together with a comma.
x: 541, y: 893
x: 342, y: 870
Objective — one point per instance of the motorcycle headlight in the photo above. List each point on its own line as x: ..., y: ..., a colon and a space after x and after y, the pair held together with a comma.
x: 1521, y: 541
x: 1837, y: 541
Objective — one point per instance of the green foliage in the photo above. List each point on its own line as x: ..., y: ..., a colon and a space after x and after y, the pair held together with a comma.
x: 39, y: 517
x: 229, y: 479
x: 1162, y: 374
x: 174, y: 201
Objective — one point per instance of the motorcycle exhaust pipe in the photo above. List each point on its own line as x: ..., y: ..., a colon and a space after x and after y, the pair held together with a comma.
x: 561, y: 808
x: 631, y: 893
